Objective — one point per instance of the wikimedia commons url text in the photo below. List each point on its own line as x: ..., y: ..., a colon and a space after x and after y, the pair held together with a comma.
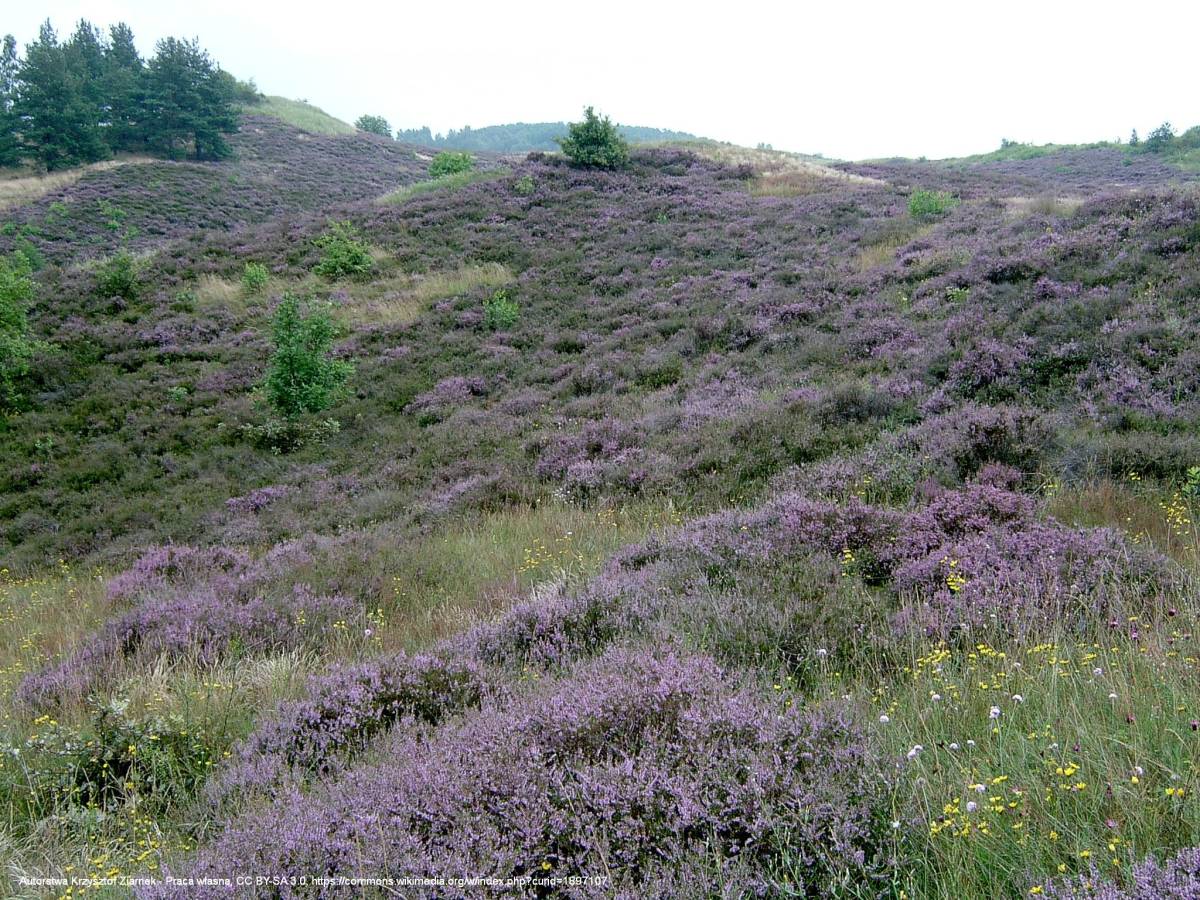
x: 320, y: 881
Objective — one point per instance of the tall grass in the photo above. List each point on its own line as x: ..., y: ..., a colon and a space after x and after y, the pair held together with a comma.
x: 401, y: 298
x: 1024, y: 762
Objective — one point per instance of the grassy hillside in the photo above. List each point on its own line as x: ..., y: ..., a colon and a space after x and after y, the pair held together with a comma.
x: 302, y: 115
x: 777, y: 533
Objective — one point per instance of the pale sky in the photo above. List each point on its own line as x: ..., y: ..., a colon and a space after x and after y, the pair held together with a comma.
x: 851, y: 80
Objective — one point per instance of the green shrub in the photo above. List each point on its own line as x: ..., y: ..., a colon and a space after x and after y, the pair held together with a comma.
x: 660, y: 373
x: 16, y: 347
x: 448, y: 162
x: 279, y: 436
x: 1191, y: 485
x: 344, y: 255
x: 500, y: 311
x: 184, y: 302
x: 118, y: 277
x: 255, y: 277
x: 929, y: 204
x: 374, y: 125
x: 595, y: 142
x: 161, y: 761
x: 523, y: 186
x: 301, y: 377
x: 1160, y: 138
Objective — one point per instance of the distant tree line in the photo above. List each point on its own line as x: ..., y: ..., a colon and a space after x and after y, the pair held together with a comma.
x: 83, y: 99
x: 522, y: 137
x: 1163, y: 139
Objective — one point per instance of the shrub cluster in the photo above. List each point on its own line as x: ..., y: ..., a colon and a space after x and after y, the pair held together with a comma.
x: 449, y: 162
x: 500, y: 311
x: 343, y: 253
x: 929, y: 204
x: 16, y: 345
x: 301, y: 377
x: 595, y: 142
x: 254, y: 278
x: 651, y: 769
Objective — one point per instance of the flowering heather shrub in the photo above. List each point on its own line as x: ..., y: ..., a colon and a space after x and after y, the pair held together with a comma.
x: 203, y: 604
x: 257, y: 500
x: 160, y: 568
x: 446, y: 396
x: 343, y: 711
x: 1177, y: 878
x: 977, y: 557
x: 989, y: 370
x: 198, y: 623
x: 948, y: 447
x: 595, y: 442
x: 633, y: 766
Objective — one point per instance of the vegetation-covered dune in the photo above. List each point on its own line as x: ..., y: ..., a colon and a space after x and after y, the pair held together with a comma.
x: 717, y: 524
x: 275, y: 170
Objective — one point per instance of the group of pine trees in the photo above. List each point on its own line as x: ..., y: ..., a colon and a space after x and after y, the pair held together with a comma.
x: 85, y: 98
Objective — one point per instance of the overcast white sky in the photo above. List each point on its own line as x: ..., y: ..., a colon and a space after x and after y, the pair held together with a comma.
x: 849, y: 79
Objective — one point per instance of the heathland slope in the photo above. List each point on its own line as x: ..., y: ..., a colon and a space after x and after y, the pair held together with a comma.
x: 809, y: 530
x: 276, y: 170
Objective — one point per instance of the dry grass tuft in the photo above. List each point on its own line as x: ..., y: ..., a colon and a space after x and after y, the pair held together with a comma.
x: 779, y: 174
x: 214, y: 292
x: 791, y: 184
x: 1167, y: 521
x: 881, y: 249
x: 400, y: 299
x: 1044, y: 205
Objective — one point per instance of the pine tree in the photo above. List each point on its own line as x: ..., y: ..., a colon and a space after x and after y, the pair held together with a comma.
x: 190, y: 101
x: 124, y: 90
x: 84, y: 54
x: 10, y: 143
x: 595, y: 142
x: 59, y: 123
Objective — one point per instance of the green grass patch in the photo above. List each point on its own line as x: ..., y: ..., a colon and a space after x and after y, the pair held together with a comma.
x: 1025, y: 763
x: 472, y: 571
x: 302, y: 115
x: 445, y: 183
